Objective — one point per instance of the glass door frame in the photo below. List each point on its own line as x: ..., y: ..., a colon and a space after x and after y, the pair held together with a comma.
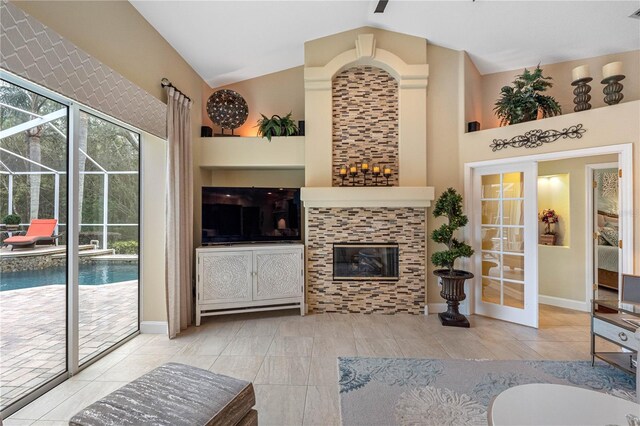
x: 73, y: 230
x: 591, y: 221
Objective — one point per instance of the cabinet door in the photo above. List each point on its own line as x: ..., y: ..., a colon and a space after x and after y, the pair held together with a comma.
x: 225, y: 277
x: 279, y: 274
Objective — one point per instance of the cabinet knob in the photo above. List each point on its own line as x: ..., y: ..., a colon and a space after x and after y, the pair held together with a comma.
x: 623, y: 336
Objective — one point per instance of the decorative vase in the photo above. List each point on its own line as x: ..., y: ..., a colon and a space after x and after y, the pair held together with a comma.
x: 453, y: 292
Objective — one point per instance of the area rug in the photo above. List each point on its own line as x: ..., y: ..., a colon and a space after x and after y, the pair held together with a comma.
x: 405, y: 391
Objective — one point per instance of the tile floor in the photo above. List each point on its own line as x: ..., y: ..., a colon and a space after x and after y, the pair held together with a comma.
x: 292, y: 360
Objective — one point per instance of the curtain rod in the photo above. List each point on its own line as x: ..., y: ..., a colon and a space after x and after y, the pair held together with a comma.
x: 166, y: 83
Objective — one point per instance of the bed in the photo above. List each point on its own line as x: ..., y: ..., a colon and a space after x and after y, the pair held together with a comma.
x: 608, y: 251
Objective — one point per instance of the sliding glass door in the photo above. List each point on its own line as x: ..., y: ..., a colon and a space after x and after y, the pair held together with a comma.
x: 69, y: 269
x: 108, y: 202
x: 33, y: 278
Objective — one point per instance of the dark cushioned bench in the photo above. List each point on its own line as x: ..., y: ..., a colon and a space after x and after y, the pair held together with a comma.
x: 176, y: 395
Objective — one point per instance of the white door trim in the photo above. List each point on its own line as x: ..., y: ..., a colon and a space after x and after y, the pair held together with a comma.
x: 625, y: 163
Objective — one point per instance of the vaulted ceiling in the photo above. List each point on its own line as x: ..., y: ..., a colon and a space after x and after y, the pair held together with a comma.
x: 229, y: 41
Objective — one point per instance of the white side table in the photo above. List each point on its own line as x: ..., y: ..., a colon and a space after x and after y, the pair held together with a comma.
x: 547, y: 404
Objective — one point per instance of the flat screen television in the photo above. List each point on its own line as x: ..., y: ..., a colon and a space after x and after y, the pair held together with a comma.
x: 234, y: 215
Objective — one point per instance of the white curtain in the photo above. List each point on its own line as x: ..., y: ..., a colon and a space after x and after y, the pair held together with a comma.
x: 179, y: 215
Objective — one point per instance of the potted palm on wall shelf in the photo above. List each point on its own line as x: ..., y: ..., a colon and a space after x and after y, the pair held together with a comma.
x: 276, y: 126
x: 525, y: 100
x: 449, y: 205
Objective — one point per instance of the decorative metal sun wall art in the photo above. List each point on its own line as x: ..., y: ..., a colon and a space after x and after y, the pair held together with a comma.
x: 538, y: 137
x: 227, y: 109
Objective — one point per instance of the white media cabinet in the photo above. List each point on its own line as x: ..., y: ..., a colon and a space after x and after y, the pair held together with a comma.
x: 248, y: 278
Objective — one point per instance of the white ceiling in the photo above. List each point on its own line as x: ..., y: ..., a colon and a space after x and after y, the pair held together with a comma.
x: 230, y: 41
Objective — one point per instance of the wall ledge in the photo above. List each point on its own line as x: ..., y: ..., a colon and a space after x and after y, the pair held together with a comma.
x: 380, y: 196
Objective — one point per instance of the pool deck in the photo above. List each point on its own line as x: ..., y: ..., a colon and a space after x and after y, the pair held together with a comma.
x: 33, y: 330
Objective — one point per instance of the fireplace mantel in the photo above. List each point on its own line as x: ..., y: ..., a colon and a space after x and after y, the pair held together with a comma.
x: 372, y: 196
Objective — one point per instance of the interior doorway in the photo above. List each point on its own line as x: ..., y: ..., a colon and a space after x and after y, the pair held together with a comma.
x: 552, y: 261
x: 567, y: 213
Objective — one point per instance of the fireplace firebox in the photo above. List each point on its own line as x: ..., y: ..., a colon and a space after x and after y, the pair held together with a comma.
x: 366, y: 262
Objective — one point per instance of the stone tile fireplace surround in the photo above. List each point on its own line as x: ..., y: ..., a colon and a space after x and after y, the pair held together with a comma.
x: 366, y: 103
x: 404, y: 226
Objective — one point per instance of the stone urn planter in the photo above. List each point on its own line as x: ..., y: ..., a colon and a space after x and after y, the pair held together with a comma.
x: 449, y: 205
x: 453, y: 292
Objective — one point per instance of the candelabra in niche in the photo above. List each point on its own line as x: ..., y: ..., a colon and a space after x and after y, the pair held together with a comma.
x: 364, y: 169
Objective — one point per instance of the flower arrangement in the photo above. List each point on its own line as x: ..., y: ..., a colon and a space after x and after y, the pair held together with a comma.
x: 548, y: 216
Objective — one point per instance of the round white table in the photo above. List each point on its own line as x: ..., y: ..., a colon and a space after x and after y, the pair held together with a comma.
x: 547, y: 404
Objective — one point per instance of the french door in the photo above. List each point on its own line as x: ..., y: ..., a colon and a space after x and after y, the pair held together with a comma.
x: 504, y: 223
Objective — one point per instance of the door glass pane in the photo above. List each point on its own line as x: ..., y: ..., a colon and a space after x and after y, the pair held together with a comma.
x: 491, y: 290
x: 513, y: 267
x: 33, y: 279
x: 514, y: 294
x: 491, y: 237
x: 513, y: 184
x: 108, y: 242
x: 490, y: 212
x: 491, y: 265
x: 606, y: 229
x: 491, y: 186
x: 512, y: 212
x: 514, y: 240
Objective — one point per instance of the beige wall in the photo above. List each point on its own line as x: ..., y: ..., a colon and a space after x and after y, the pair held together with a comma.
x: 117, y: 35
x: 278, y: 93
x: 562, y: 269
x: 410, y: 49
x: 562, y: 90
x: 443, y: 129
x: 473, y: 101
x: 154, y: 305
x: 257, y: 177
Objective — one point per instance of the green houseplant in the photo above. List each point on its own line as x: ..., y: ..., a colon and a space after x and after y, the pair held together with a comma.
x: 522, y: 102
x: 12, y: 221
x: 449, y: 205
x: 276, y: 126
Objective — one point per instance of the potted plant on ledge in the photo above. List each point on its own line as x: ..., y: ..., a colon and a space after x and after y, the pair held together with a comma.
x: 449, y: 205
x: 276, y: 126
x: 525, y: 101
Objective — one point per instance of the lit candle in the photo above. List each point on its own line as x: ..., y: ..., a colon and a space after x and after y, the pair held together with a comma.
x: 343, y: 171
x: 611, y: 69
x: 353, y: 169
x: 376, y: 169
x: 387, y: 170
x: 364, y: 166
x: 578, y: 73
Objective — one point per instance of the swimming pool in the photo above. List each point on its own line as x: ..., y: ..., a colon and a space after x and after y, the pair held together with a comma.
x: 90, y: 274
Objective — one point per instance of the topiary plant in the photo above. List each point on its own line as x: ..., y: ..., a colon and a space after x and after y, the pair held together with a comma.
x: 522, y: 102
x: 276, y: 126
x: 449, y: 205
x: 12, y: 219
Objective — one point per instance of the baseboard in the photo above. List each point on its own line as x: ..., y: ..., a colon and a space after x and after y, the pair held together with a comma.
x: 560, y: 302
x: 435, y: 308
x: 154, y: 327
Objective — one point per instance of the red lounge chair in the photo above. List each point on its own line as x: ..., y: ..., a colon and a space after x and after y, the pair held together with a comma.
x: 39, y: 230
